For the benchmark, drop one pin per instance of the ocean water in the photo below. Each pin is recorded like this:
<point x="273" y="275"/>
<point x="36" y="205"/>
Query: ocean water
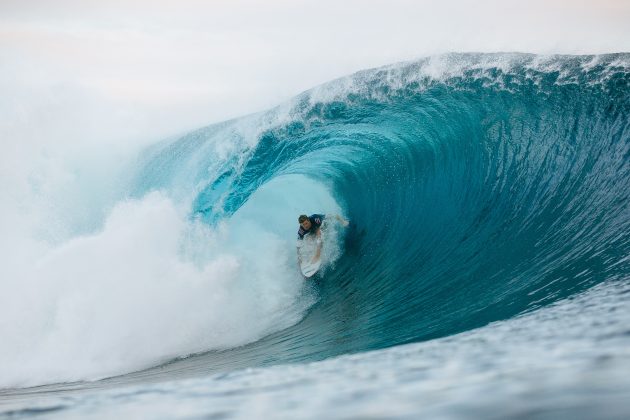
<point x="485" y="272"/>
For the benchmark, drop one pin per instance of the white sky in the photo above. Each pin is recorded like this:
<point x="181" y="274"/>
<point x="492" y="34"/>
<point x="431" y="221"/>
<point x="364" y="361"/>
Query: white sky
<point x="149" y="68"/>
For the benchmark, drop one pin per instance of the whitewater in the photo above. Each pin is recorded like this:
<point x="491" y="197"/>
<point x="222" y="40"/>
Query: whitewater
<point x="485" y="272"/>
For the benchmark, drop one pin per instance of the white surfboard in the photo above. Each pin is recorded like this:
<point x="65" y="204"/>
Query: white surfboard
<point x="310" y="262"/>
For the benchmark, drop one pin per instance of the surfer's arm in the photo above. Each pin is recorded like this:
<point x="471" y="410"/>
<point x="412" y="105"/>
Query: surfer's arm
<point x="341" y="220"/>
<point x="319" y="246"/>
<point x="299" y="245"/>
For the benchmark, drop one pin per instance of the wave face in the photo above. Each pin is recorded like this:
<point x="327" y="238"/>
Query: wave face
<point x="478" y="186"/>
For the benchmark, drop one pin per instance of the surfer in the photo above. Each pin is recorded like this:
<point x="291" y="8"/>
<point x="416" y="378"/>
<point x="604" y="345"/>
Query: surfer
<point x="311" y="225"/>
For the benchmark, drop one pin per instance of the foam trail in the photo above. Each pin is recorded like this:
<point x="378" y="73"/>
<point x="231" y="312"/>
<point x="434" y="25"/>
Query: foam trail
<point x="153" y="285"/>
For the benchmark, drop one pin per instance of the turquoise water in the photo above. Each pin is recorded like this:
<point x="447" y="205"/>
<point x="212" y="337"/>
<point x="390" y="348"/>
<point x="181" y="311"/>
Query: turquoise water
<point x="490" y="231"/>
<point x="473" y="197"/>
<point x="567" y="360"/>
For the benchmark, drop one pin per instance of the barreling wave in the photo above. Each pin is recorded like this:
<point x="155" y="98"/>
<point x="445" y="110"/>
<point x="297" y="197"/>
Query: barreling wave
<point x="479" y="186"/>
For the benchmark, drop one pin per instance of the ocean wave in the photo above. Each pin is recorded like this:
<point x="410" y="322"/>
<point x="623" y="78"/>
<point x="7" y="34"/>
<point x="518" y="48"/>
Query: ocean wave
<point x="478" y="186"/>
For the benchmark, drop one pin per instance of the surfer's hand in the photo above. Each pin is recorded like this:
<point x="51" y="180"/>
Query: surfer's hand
<point x="343" y="222"/>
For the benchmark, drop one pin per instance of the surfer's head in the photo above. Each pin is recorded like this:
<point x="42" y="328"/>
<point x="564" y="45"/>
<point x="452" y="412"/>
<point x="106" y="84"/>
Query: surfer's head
<point x="304" y="221"/>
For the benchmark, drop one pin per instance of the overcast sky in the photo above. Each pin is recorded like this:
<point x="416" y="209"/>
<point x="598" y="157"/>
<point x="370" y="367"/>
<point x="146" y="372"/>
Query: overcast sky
<point x="134" y="68"/>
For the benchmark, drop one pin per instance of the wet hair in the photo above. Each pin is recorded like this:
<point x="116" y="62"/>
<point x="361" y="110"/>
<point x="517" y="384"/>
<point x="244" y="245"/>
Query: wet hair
<point x="302" y="218"/>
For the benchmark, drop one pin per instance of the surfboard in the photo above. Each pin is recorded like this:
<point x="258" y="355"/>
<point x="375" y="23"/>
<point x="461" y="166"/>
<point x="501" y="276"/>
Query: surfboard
<point x="310" y="261"/>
